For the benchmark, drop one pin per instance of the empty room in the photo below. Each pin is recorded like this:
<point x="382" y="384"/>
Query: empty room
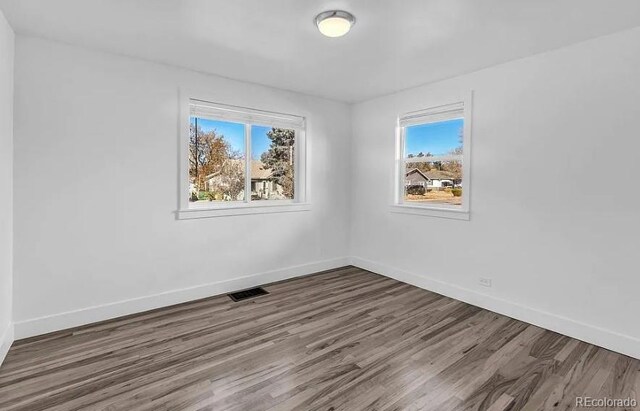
<point x="319" y="205"/>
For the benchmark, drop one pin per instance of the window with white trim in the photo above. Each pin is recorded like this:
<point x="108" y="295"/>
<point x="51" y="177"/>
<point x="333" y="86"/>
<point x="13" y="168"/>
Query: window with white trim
<point x="433" y="160"/>
<point x="241" y="158"/>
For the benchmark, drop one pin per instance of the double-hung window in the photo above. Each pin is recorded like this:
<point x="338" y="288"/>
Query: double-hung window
<point x="432" y="161"/>
<point x="241" y="161"/>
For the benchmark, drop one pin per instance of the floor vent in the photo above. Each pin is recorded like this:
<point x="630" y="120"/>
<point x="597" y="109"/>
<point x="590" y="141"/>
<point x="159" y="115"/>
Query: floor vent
<point x="246" y="294"/>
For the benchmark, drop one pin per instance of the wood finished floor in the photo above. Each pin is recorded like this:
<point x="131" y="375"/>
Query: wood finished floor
<point x="345" y="339"/>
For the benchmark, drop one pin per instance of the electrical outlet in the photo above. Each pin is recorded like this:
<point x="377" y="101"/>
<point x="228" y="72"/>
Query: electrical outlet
<point x="485" y="282"/>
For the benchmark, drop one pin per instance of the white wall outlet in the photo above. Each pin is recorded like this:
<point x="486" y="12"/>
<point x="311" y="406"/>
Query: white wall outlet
<point x="485" y="282"/>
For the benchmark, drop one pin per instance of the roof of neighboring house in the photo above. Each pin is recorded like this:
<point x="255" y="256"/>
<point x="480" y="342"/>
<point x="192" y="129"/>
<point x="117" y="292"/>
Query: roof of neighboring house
<point x="258" y="170"/>
<point x="435" y="174"/>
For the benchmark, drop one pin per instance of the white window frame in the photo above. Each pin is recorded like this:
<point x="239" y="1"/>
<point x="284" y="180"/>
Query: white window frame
<point x="452" y="110"/>
<point x="205" y="108"/>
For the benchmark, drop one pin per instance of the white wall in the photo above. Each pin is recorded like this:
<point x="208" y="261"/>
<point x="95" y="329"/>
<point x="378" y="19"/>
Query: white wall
<point x="96" y="166"/>
<point x="554" y="199"/>
<point x="6" y="183"/>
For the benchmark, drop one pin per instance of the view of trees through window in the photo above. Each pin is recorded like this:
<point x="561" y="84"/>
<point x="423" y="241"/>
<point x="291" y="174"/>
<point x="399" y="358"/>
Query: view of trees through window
<point x="433" y="163"/>
<point x="272" y="163"/>
<point x="216" y="161"/>
<point x="218" y="156"/>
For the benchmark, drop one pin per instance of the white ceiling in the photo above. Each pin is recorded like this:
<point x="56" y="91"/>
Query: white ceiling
<point x="395" y="44"/>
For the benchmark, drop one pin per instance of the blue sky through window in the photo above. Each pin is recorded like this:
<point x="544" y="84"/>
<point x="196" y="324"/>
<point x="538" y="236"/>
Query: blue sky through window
<point x="436" y="138"/>
<point x="234" y="134"/>
<point x="259" y="141"/>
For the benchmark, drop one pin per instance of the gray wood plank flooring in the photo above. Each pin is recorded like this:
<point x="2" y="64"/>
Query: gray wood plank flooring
<point x="344" y="339"/>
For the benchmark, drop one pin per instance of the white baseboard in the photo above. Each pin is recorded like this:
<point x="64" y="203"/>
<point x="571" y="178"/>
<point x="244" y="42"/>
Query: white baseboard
<point x="601" y="337"/>
<point x="6" y="339"/>
<point x="61" y="321"/>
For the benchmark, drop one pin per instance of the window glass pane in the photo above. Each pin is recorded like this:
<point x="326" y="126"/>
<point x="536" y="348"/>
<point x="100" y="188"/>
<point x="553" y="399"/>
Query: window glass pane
<point x="434" y="139"/>
<point x="433" y="182"/>
<point x="216" y="161"/>
<point x="272" y="163"/>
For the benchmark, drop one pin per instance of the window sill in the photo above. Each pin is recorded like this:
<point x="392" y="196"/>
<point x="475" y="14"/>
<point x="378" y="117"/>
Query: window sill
<point x="242" y="209"/>
<point x="431" y="212"/>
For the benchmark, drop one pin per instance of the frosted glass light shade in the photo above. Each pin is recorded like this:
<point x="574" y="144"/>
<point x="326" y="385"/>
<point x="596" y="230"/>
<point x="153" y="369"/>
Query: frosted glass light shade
<point x="335" y="23"/>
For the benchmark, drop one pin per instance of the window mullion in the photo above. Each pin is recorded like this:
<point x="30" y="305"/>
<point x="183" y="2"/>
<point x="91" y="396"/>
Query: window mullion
<point x="247" y="163"/>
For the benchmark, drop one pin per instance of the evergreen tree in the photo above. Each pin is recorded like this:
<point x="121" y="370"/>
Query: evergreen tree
<point x="279" y="158"/>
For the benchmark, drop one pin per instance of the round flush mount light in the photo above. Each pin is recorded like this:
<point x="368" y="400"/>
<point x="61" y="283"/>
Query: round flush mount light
<point x="335" y="23"/>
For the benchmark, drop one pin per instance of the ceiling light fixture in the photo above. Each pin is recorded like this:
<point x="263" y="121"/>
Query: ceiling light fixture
<point x="335" y="23"/>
